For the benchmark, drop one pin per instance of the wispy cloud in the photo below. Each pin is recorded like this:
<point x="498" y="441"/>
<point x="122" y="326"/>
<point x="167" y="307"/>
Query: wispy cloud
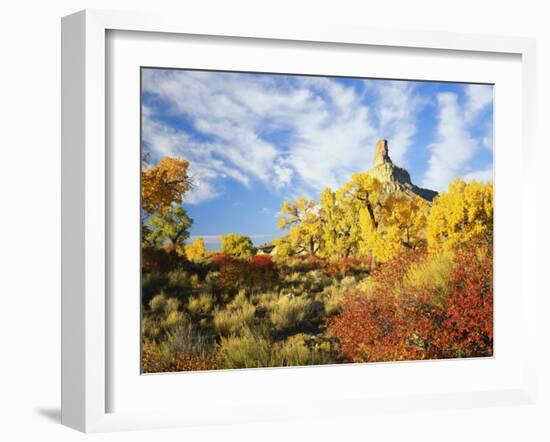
<point x="478" y="98"/>
<point x="454" y="144"/>
<point x="289" y="133"/>
<point x="397" y="107"/>
<point x="480" y="175"/>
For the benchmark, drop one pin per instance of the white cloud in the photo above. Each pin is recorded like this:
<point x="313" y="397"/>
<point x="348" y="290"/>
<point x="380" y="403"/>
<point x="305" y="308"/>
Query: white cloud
<point x="164" y="140"/>
<point x="455" y="145"/>
<point x="396" y="108"/>
<point x="324" y="130"/>
<point x="480" y="175"/>
<point x="478" y="97"/>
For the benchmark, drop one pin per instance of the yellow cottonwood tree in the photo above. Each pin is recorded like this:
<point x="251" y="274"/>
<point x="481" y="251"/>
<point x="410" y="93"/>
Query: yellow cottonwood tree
<point x="301" y="217"/>
<point x="238" y="245"/>
<point x="196" y="250"/>
<point x="340" y="227"/>
<point x="463" y="212"/>
<point x="164" y="184"/>
<point x="401" y="224"/>
<point x="358" y="219"/>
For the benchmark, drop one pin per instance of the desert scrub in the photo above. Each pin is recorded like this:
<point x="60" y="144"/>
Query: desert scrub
<point x="432" y="275"/>
<point x="151" y="285"/>
<point x="159" y="358"/>
<point x="201" y="305"/>
<point x="162" y="317"/>
<point x="247" y="351"/>
<point x="189" y="340"/>
<point x="254" y="349"/>
<point x="154" y="358"/>
<point x="232" y="321"/>
<point x="180" y="283"/>
<point x="316" y="280"/>
<point x="162" y="305"/>
<point x="292" y="352"/>
<point x="288" y="312"/>
<point x="185" y="362"/>
<point x="333" y="295"/>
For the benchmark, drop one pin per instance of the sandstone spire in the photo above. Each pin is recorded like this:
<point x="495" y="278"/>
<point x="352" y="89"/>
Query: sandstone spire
<point x="392" y="177"/>
<point x="381" y="155"/>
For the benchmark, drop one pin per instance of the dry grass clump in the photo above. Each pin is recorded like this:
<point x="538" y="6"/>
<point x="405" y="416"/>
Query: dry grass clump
<point x="250" y="350"/>
<point x="232" y="321"/>
<point x="201" y="305"/>
<point x="432" y="275"/>
<point x="289" y="312"/>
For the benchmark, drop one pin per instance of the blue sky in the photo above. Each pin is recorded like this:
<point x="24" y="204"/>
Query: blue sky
<point x="255" y="140"/>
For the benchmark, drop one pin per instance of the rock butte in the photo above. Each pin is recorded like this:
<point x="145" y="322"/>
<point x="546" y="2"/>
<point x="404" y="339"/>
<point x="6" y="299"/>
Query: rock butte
<point x="395" y="178"/>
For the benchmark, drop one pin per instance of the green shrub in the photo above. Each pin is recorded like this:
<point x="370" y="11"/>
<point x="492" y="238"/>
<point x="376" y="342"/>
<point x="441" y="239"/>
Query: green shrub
<point x="163" y="316"/>
<point x="201" y="305"/>
<point x="293" y="351"/>
<point x="152" y="284"/>
<point x="233" y="321"/>
<point x="316" y="280"/>
<point x="247" y="351"/>
<point x="288" y="312"/>
<point x="179" y="283"/>
<point x="163" y="305"/>
<point x="239" y="301"/>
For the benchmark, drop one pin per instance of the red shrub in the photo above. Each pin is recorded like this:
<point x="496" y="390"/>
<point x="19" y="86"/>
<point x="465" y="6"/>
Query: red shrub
<point x="220" y="259"/>
<point x="349" y="265"/>
<point x="160" y="260"/>
<point x="259" y="271"/>
<point x="390" y="325"/>
<point x="233" y="273"/>
<point x="468" y="326"/>
<point x="262" y="261"/>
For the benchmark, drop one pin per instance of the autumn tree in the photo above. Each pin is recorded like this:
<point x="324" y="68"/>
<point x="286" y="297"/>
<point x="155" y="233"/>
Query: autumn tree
<point x="360" y="219"/>
<point x="462" y="213"/>
<point x="168" y="229"/>
<point x="237" y="245"/>
<point x="339" y="215"/>
<point x="283" y="247"/>
<point x="164" y="184"/>
<point x="399" y="223"/>
<point x="196" y="250"/>
<point x="301" y="218"/>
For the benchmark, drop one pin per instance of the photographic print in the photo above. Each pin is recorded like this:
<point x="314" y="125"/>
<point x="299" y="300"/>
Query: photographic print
<point x="295" y="220"/>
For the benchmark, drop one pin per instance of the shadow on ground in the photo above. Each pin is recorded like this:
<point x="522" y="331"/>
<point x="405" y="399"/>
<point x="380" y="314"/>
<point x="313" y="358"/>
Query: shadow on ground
<point x="51" y="414"/>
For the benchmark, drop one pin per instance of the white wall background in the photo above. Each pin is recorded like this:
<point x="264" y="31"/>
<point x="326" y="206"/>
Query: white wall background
<point x="30" y="215"/>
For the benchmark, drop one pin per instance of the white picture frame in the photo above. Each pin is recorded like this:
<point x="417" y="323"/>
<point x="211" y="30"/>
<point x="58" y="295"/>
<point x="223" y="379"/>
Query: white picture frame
<point x="85" y="197"/>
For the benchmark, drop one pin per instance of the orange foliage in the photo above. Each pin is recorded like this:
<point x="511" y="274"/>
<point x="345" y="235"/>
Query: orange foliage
<point x="164" y="184"/>
<point x="393" y="323"/>
<point x="349" y="265"/>
<point x="185" y="362"/>
<point x="259" y="272"/>
<point x="155" y="361"/>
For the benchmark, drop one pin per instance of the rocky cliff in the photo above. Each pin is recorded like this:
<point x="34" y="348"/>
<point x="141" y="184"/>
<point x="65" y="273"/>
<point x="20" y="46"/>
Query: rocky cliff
<point x="395" y="178"/>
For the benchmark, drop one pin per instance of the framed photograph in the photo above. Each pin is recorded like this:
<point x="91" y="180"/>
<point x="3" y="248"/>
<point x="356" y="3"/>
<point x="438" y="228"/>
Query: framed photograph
<point x="263" y="223"/>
